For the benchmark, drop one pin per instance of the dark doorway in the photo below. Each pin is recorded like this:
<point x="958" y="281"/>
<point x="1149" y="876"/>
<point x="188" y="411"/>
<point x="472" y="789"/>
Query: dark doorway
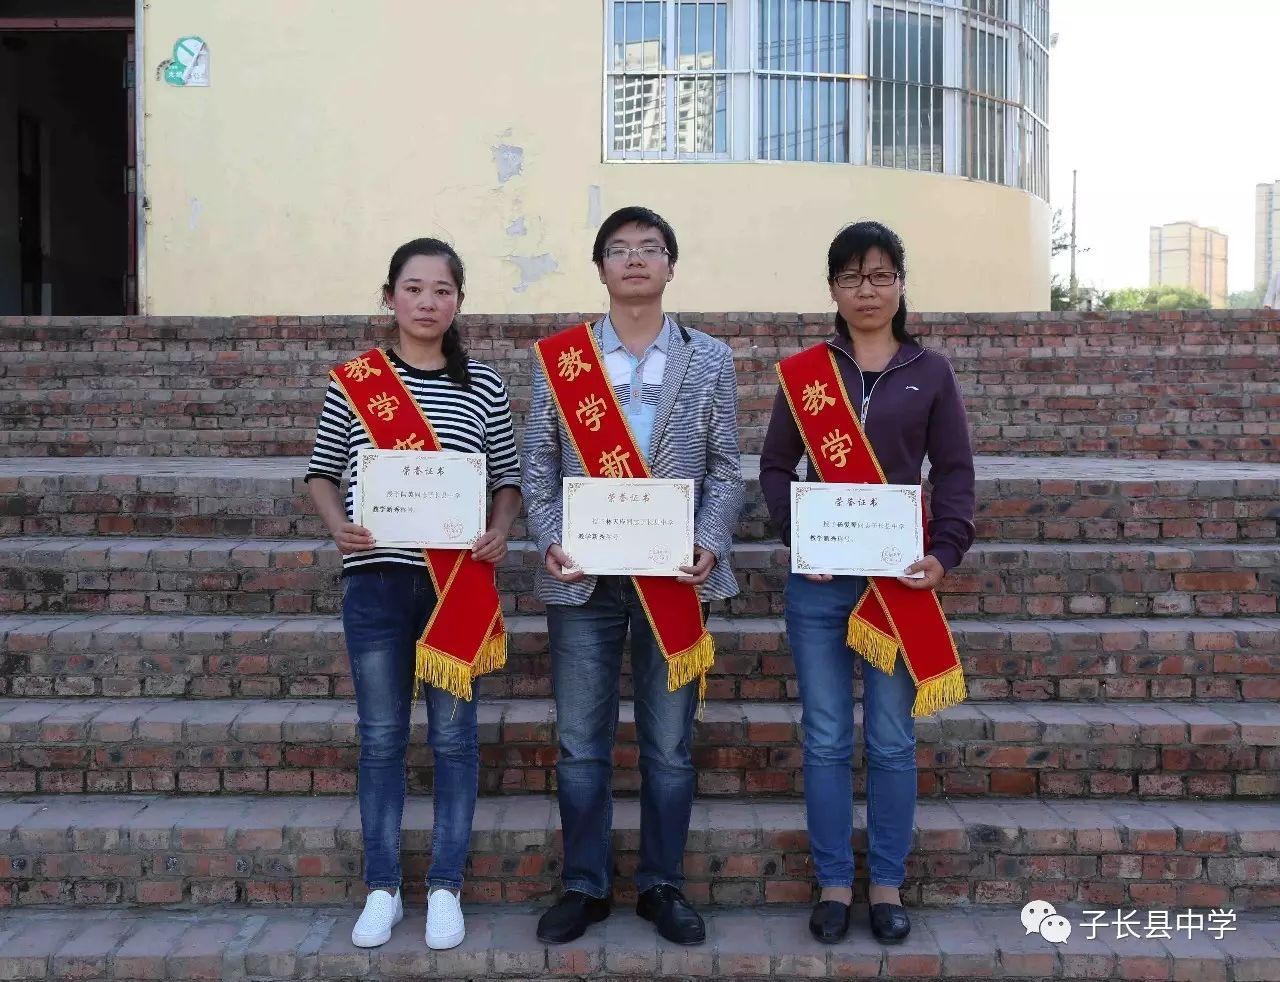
<point x="66" y="167"/>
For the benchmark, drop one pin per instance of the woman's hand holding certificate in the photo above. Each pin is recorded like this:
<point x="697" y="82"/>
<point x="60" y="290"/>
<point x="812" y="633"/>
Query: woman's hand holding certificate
<point x="924" y="574"/>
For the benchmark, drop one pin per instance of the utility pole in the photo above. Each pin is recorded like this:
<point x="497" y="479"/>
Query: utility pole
<point x="1074" y="287"/>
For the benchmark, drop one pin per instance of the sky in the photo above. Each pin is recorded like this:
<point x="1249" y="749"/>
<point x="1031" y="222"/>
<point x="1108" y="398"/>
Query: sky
<point x="1170" y="111"/>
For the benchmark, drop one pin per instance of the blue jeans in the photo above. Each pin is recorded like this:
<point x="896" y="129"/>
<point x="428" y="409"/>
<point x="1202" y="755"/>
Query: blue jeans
<point x="384" y="611"/>
<point x="586" y="662"/>
<point x="817" y="625"/>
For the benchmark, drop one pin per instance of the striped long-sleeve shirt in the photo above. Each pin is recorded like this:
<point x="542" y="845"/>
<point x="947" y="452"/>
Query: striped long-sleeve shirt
<point x="472" y="420"/>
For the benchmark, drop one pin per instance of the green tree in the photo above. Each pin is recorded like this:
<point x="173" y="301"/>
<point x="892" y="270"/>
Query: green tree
<point x="1246" y="299"/>
<point x="1126" y="298"/>
<point x="1155" y="298"/>
<point x="1059" y="294"/>
<point x="1059" y="235"/>
<point x="1179" y="298"/>
<point x="1060" y="242"/>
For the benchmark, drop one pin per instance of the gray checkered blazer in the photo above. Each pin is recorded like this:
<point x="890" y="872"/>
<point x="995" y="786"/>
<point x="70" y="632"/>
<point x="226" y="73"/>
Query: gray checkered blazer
<point x="698" y="442"/>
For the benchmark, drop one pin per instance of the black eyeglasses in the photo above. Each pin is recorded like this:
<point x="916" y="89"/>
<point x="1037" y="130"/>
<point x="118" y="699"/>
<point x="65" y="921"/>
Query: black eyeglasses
<point x="881" y="277"/>
<point x="616" y="254"/>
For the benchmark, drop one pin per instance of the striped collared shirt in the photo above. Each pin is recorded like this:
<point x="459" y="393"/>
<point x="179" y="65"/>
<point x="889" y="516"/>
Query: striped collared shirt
<point x="637" y="382"/>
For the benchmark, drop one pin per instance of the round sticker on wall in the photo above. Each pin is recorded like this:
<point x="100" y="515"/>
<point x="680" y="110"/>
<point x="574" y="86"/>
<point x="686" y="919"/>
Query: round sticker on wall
<point x="190" y="63"/>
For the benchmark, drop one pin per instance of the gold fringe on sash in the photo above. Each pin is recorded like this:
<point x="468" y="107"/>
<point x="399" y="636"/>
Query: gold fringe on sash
<point x="692" y="663"/>
<point x="935" y="695"/>
<point x="879" y="649"/>
<point x="491" y="657"/>
<point x="444" y="672"/>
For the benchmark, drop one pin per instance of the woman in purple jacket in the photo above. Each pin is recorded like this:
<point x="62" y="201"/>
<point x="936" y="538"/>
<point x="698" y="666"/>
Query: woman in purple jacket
<point x="910" y="406"/>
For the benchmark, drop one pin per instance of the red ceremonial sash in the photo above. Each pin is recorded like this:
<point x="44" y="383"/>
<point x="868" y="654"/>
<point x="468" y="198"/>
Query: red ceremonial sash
<point x="465" y="636"/>
<point x="889" y="617"/>
<point x="599" y="432"/>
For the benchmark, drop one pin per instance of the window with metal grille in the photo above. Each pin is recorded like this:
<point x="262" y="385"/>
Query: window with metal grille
<point x="906" y="65"/>
<point x="945" y="86"/>
<point x="803" y="80"/>
<point x="1033" y="98"/>
<point x="986" y="89"/>
<point x="669" y="79"/>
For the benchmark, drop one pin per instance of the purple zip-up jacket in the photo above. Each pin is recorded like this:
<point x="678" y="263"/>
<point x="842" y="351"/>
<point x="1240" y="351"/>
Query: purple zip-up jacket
<point x="914" y="409"/>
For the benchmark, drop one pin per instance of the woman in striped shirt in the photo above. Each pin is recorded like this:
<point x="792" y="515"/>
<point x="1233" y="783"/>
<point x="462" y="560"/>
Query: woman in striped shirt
<point x="388" y="594"/>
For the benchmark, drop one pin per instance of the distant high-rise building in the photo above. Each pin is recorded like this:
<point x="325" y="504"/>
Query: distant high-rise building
<point x="1187" y="254"/>
<point x="1266" y="246"/>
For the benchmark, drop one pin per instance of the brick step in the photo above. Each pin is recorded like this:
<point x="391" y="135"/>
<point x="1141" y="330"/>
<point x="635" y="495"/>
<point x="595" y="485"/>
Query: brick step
<point x="107" y="849"/>
<point x="56" y="377"/>
<point x="269" y="332"/>
<point x="168" y="370"/>
<point x="300" y="576"/>
<point x="221" y="343"/>
<point x="264" y="429"/>
<point x="266" y="656"/>
<point x="1082" y="499"/>
<point x="1033" y="433"/>
<point x="1169" y="388"/>
<point x="745" y="943"/>
<point x="1202" y="750"/>
<point x="154" y="385"/>
<point x="1174" y="418"/>
<point x="85" y="351"/>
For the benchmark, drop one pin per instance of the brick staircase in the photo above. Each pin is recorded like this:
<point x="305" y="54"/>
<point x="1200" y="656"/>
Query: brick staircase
<point x="177" y="728"/>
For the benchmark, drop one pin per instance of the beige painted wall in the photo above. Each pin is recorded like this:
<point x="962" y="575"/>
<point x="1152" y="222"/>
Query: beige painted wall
<point x="331" y="133"/>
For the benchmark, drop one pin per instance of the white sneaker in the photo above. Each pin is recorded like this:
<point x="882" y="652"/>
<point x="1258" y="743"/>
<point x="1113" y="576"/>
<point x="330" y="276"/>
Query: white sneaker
<point x="445" y="927"/>
<point x="382" y="912"/>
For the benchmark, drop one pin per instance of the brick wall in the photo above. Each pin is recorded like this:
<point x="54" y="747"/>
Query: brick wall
<point x="1194" y="384"/>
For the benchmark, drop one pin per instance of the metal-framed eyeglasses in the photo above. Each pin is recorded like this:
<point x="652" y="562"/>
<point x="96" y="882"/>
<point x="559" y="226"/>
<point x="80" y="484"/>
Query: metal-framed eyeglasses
<point x="649" y="254"/>
<point x="881" y="277"/>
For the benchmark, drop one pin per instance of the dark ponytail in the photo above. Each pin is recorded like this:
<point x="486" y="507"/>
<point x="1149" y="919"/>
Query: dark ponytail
<point x="853" y="243"/>
<point x="455" y="357"/>
<point x="455" y="353"/>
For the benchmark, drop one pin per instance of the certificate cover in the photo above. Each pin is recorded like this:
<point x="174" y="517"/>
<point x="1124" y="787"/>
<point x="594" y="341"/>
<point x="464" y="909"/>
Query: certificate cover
<point x="855" y="529"/>
<point x="628" y="526"/>
<point x="422" y="499"/>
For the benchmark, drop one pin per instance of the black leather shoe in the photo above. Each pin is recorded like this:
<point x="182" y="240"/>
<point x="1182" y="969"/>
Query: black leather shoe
<point x="569" y="919"/>
<point x="890" y="923"/>
<point x="672" y="915"/>
<point x="829" y="922"/>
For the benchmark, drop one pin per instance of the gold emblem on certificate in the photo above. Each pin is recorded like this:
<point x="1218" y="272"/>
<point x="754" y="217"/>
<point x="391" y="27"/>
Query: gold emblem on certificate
<point x="855" y="529"/>
<point x="422" y="499"/>
<point x="628" y="526"/>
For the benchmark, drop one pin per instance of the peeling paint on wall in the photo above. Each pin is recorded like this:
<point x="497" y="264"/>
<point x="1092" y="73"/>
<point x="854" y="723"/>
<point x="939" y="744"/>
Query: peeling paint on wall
<point x="593" y="206"/>
<point x="509" y="161"/>
<point x="517" y="227"/>
<point x="532" y="269"/>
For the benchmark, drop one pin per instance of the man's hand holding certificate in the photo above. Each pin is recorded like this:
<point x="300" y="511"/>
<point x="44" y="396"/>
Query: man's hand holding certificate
<point x="856" y="529"/>
<point x="628" y="526"/>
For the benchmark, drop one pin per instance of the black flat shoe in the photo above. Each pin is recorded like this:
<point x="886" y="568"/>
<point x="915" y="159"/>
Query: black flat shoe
<point x="672" y="915"/>
<point x="889" y="923"/>
<point x="569" y="919"/>
<point x="829" y="922"/>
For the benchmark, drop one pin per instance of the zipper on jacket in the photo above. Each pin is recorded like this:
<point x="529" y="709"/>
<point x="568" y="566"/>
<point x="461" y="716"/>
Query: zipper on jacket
<point x="866" y="396"/>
